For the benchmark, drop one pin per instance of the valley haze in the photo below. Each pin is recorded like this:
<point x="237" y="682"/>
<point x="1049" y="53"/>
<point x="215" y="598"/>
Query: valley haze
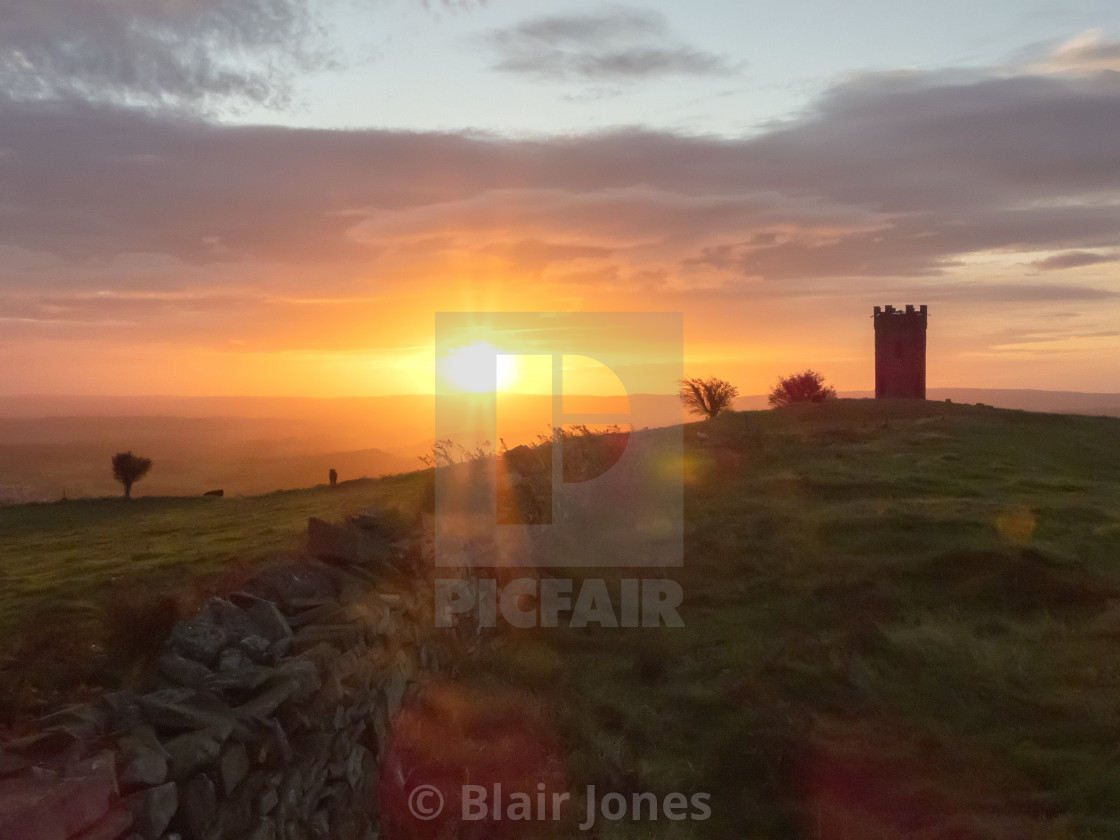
<point x="56" y="446"/>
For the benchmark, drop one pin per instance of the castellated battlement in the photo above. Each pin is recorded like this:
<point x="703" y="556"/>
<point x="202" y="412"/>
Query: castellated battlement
<point x="922" y="311"/>
<point x="900" y="352"/>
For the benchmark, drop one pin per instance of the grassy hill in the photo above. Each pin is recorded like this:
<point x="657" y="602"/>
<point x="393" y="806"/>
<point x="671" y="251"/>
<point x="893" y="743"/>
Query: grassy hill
<point x="85" y="583"/>
<point x="901" y="620"/>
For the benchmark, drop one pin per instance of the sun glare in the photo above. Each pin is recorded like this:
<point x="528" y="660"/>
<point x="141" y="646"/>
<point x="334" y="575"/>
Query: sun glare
<point x="478" y="368"/>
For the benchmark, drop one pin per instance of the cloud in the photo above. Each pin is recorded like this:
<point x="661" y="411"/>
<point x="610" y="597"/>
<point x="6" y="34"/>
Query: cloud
<point x="883" y="178"/>
<point x="1073" y="259"/>
<point x="586" y="30"/>
<point x="536" y="254"/>
<point x="1004" y="293"/>
<point x="1089" y="52"/>
<point x="622" y="45"/>
<point x="192" y="53"/>
<point x="889" y="180"/>
<point x="454" y="5"/>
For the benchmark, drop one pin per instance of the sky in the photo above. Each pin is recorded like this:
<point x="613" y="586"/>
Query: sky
<point x="272" y="197"/>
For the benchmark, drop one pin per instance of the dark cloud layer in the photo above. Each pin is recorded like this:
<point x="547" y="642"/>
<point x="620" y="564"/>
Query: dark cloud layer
<point x="622" y="45"/>
<point x="887" y="177"/>
<point x="1073" y="259"/>
<point x="198" y="53"/>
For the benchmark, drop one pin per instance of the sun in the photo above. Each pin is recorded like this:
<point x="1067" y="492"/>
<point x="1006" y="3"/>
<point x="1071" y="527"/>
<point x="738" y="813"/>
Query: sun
<point x="477" y="368"/>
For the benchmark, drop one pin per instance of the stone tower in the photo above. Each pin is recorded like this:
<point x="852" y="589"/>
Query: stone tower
<point x="900" y="352"/>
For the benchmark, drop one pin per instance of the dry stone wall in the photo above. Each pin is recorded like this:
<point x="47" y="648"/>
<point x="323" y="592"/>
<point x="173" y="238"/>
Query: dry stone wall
<point x="266" y="717"/>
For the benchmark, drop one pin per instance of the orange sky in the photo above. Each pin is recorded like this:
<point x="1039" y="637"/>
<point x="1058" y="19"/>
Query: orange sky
<point x="149" y="249"/>
<point x="352" y="349"/>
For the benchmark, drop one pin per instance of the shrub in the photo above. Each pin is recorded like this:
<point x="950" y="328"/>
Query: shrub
<point x="807" y="386"/>
<point x="709" y="396"/>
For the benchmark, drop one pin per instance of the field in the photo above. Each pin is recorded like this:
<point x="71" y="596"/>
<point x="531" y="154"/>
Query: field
<point x="901" y="621"/>
<point x="78" y="577"/>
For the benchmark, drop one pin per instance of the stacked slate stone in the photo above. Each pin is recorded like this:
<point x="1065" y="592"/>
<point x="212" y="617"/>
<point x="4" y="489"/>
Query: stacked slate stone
<point x="267" y="712"/>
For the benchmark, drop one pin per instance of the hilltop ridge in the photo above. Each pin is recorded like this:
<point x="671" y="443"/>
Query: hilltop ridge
<point x="881" y="591"/>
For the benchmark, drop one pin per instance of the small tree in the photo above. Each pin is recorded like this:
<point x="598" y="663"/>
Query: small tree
<point x="128" y="469"/>
<point x="709" y="396"/>
<point x="801" y="387"/>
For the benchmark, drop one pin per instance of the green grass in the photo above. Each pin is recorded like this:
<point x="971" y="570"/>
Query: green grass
<point x="87" y="585"/>
<point x="902" y="620"/>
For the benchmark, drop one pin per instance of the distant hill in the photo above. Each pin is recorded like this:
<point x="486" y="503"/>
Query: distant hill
<point x="394" y="412"/>
<point x="46" y="458"/>
<point x="1051" y="402"/>
<point x="32" y="472"/>
<point x="56" y="445"/>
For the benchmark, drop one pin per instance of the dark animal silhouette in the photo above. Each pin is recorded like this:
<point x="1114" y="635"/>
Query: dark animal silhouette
<point x="214" y="493"/>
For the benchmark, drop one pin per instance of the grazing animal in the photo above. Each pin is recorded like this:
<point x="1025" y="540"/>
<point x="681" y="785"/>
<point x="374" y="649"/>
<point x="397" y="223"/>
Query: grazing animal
<point x="214" y="493"/>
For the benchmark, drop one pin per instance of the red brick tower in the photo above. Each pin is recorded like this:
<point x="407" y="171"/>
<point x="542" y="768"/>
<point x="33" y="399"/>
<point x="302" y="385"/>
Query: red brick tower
<point x="900" y="352"/>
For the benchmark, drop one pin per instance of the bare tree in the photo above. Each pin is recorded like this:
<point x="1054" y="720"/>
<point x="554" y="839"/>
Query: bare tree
<point x="709" y="396"/>
<point x="807" y="386"/>
<point x="128" y="469"/>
